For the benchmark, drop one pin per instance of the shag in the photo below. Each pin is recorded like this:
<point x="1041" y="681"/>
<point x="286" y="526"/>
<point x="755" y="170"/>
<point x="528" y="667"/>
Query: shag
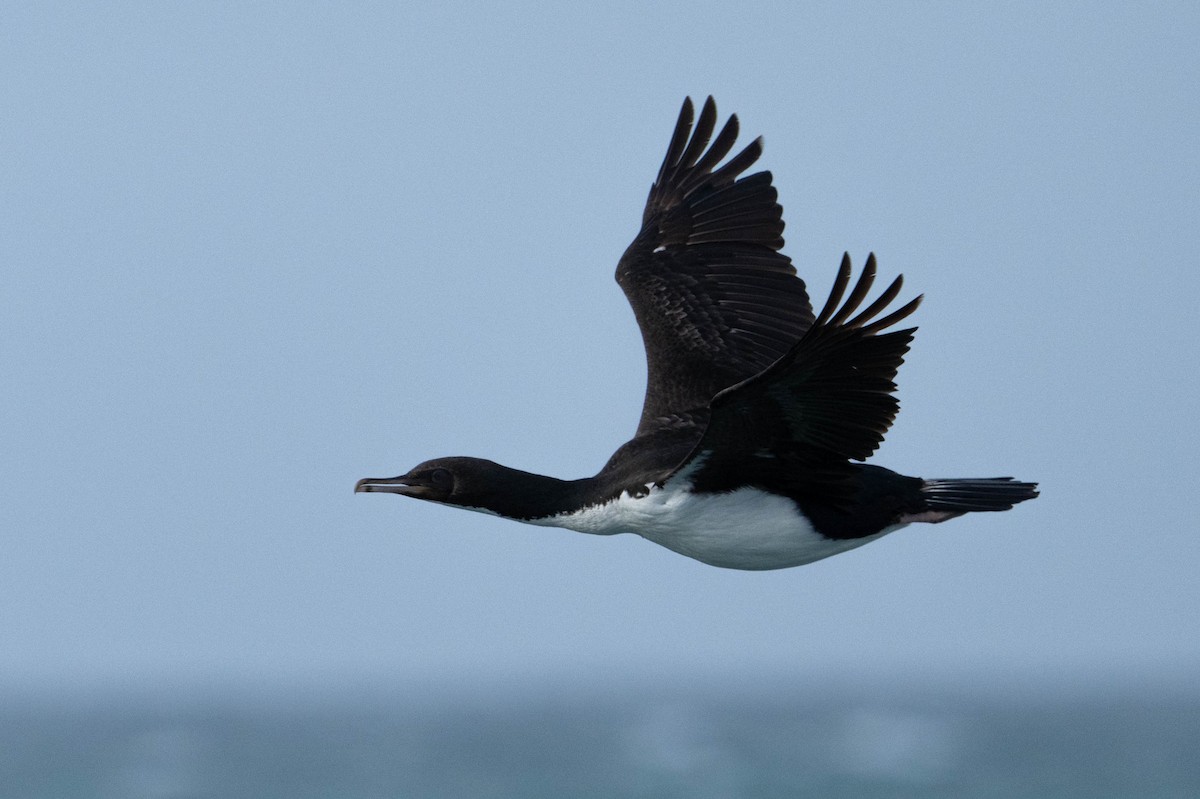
<point x="758" y="413"/>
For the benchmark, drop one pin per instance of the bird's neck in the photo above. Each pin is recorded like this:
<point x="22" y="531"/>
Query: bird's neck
<point x="520" y="495"/>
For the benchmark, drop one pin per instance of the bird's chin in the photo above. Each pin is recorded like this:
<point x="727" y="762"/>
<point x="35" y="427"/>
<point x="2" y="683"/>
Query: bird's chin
<point x="392" y="485"/>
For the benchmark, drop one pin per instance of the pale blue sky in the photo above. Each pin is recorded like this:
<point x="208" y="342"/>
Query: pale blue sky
<point x="253" y="253"/>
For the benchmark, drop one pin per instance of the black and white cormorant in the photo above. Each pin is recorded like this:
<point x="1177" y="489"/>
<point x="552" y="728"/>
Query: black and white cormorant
<point x="758" y="413"/>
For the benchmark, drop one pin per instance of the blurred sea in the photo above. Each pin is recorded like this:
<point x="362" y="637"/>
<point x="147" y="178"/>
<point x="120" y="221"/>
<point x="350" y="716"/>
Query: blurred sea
<point x="867" y="739"/>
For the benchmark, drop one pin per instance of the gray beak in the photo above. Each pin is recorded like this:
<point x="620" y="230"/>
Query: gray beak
<point x="403" y="485"/>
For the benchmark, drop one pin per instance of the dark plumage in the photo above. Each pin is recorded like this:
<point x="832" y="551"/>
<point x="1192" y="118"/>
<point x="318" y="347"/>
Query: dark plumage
<point x="757" y="413"/>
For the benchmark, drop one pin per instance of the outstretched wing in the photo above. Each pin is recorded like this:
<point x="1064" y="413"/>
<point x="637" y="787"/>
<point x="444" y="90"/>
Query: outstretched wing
<point x="828" y="401"/>
<point x="715" y="299"/>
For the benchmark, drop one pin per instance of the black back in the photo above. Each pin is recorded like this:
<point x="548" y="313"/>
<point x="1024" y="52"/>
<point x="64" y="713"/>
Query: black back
<point x="744" y="385"/>
<point x="795" y="427"/>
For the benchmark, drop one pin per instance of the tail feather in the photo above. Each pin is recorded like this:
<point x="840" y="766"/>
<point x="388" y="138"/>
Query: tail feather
<point x="964" y="495"/>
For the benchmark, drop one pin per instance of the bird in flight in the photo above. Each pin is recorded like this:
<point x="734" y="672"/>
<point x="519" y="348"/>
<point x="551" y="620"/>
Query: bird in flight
<point x="758" y="412"/>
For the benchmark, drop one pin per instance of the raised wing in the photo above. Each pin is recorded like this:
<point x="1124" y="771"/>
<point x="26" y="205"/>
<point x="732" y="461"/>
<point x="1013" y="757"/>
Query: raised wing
<point x="828" y="401"/>
<point x="715" y="299"/>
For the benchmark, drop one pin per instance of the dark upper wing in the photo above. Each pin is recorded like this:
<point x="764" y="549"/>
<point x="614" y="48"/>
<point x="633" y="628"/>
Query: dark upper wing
<point x="828" y="401"/>
<point x="713" y="296"/>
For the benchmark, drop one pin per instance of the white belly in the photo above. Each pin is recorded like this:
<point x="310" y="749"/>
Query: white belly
<point x="743" y="529"/>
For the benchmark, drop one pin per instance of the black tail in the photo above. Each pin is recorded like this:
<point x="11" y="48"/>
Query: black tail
<point x="962" y="495"/>
<point x="946" y="499"/>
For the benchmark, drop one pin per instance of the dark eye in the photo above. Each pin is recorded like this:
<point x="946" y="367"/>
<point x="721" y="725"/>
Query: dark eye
<point x="441" y="478"/>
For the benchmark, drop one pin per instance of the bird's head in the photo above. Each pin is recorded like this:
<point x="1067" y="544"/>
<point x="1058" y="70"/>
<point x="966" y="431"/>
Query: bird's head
<point x="482" y="485"/>
<point x="451" y="481"/>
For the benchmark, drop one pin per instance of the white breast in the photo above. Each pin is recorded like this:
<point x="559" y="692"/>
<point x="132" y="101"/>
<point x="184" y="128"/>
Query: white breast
<point x="743" y="529"/>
